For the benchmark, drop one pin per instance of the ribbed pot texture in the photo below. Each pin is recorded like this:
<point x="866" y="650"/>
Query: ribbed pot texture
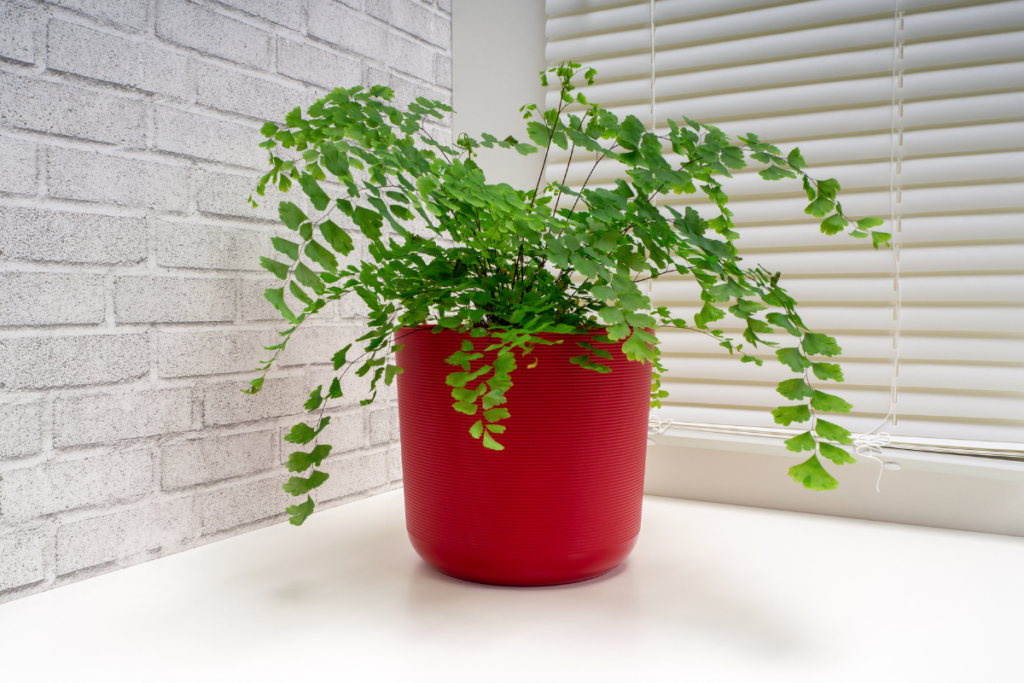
<point x="562" y="502"/>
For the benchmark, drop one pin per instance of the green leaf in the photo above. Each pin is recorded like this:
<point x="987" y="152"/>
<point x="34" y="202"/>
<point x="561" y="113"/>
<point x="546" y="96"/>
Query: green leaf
<point x="464" y="407"/>
<point x="286" y="247"/>
<point x="784" y="322"/>
<point x="795" y="159"/>
<point x="390" y="373"/>
<point x="829" y="403"/>
<point x="291" y="215"/>
<point x="832" y="432"/>
<point x="637" y="349"/>
<point x="496" y="414"/>
<point x="836" y="454"/>
<point x="489" y="442"/>
<point x="812" y="475"/>
<point x="869" y="222"/>
<point x="312" y="188"/>
<point x="793" y="358"/>
<point x="335" y="390"/>
<point x="308" y="278"/>
<point x="297" y="292"/>
<point x="369" y="222"/>
<point x="801" y="442"/>
<point x="477" y="429"/>
<point x="820" y="207"/>
<point x="324" y="258"/>
<point x="611" y="315"/>
<point x="254" y="386"/>
<point x="828" y="187"/>
<point x="834" y="224"/>
<point x="276" y="297"/>
<point x="618" y="331"/>
<point x="339" y="358"/>
<point x="826" y="371"/>
<point x="632" y="131"/>
<point x="315" y="399"/>
<point x="302" y="433"/>
<point x="299" y="461"/>
<point x="300" y="512"/>
<point x="339" y="240"/>
<point x="795" y="389"/>
<point x="879" y="239"/>
<point x="786" y="415"/>
<point x="277" y="268"/>
<point x="820" y="345"/>
<point x="298" y="486"/>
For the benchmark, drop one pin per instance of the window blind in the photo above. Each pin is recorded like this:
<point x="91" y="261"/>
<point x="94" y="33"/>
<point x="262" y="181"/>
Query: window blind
<point x="918" y="110"/>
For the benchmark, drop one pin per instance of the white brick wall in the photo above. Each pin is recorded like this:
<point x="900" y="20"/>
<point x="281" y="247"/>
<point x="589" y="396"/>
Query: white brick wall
<point x="131" y="298"/>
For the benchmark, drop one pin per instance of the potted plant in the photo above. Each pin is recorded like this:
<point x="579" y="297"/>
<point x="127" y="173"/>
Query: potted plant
<point x="514" y="321"/>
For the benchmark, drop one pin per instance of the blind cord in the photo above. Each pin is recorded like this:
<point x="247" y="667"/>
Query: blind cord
<point x="654" y="118"/>
<point x="870" y="444"/>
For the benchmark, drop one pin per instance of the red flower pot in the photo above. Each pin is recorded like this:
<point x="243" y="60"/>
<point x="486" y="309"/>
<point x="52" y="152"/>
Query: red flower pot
<point x="562" y="502"/>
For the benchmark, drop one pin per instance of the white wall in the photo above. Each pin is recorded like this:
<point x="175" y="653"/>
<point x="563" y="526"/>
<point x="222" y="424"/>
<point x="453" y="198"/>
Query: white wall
<point x="131" y="296"/>
<point x="497" y="52"/>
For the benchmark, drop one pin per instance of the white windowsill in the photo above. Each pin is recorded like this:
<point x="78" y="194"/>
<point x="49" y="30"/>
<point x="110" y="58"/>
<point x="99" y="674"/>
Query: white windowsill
<point x="988" y="468"/>
<point x="712" y="593"/>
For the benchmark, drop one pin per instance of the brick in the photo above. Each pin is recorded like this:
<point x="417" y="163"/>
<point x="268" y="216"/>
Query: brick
<point x="202" y="137"/>
<point x="125" y="533"/>
<point x="144" y="299"/>
<point x="47" y="362"/>
<point x="288" y="14"/>
<point x="380" y="426"/>
<point x="226" y="194"/>
<point x="79" y="50"/>
<point x="320" y="67"/>
<point x="415" y="19"/>
<point x="65" y="237"/>
<point x="318" y="343"/>
<point x="21" y="559"/>
<point x="210" y="247"/>
<point x="346" y="431"/>
<point x="92" y="177"/>
<point x="18" y="172"/>
<point x="128" y="13"/>
<point x="254" y="306"/>
<point x="202" y="461"/>
<point x="225" y="404"/>
<point x="238" y="93"/>
<point x="443" y="71"/>
<point x="410" y="57"/>
<point x="341" y="26"/>
<point x="185" y="353"/>
<point x="109" y="417"/>
<point x="189" y="25"/>
<point x="445" y="5"/>
<point x="20" y="429"/>
<point x="353" y="388"/>
<point x="406" y="91"/>
<point x="62" y="109"/>
<point x="234" y="506"/>
<point x="395" y="463"/>
<point x="51" y="299"/>
<point x="66" y="485"/>
<point x="351" y="306"/>
<point x="352" y="474"/>
<point x="18" y="25"/>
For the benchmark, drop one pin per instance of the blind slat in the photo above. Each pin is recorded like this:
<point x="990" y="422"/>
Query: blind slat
<point x="939" y="119"/>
